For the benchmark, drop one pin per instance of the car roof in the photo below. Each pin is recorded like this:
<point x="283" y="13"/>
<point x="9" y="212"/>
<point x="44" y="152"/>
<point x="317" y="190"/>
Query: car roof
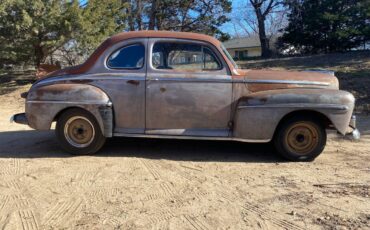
<point x="139" y="34"/>
<point x="162" y="34"/>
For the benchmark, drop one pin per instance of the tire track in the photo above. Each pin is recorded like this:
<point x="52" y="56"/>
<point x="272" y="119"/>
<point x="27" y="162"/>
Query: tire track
<point x="4" y="220"/>
<point x="196" y="223"/>
<point x="4" y="200"/>
<point x="167" y="189"/>
<point x="85" y="178"/>
<point x="13" y="184"/>
<point x="63" y="212"/>
<point x="153" y="170"/>
<point x="162" y="216"/>
<point x="112" y="222"/>
<point x="250" y="207"/>
<point x="20" y="201"/>
<point x="176" y="170"/>
<point x="264" y="214"/>
<point x="28" y="220"/>
<point x="103" y="194"/>
<point x="11" y="167"/>
<point x="253" y="221"/>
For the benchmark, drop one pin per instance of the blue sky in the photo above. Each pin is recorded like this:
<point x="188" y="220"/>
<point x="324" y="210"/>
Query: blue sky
<point x="237" y="6"/>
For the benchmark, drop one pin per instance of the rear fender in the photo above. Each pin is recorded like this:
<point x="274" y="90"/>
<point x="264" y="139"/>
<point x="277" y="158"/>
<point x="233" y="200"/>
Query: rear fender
<point x="258" y="115"/>
<point x="45" y="103"/>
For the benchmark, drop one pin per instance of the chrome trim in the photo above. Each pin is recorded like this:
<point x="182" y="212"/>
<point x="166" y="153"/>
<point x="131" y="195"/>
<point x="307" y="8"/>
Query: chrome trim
<point x="189" y="132"/>
<point x="138" y="76"/>
<point x="321" y="71"/>
<point x="19" y="118"/>
<point x="227" y="80"/>
<point x="95" y="77"/>
<point x="352" y="122"/>
<point x="300" y="105"/>
<point x="286" y="82"/>
<point x="190" y="137"/>
<point x="72" y="102"/>
<point x="356" y="135"/>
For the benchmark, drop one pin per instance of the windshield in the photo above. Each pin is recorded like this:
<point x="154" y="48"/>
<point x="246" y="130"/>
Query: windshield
<point x="229" y="56"/>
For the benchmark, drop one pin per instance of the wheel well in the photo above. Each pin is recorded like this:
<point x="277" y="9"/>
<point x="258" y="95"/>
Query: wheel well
<point x="65" y="109"/>
<point x="321" y="118"/>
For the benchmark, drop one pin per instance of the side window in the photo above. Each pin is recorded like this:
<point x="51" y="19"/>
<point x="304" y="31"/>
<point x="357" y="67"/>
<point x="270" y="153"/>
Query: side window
<point x="183" y="57"/>
<point x="210" y="60"/>
<point x="128" y="57"/>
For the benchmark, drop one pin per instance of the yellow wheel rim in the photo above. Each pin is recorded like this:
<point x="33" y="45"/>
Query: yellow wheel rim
<point x="79" y="131"/>
<point x="302" y="138"/>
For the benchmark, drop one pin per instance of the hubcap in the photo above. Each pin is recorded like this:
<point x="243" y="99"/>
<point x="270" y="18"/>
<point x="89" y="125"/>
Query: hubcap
<point x="302" y="138"/>
<point x="79" y="131"/>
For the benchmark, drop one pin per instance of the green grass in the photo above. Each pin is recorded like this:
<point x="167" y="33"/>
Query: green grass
<point x="352" y="70"/>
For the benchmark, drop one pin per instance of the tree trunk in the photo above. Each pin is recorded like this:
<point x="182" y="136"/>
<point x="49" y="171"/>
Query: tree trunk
<point x="138" y="14"/>
<point x="153" y="13"/>
<point x="265" y="44"/>
<point x="130" y="13"/>
<point x="39" y="55"/>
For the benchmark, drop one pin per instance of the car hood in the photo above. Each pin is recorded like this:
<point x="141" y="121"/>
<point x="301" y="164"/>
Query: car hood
<point x="288" y="79"/>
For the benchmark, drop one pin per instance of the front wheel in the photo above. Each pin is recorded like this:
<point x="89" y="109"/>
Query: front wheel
<point x="300" y="139"/>
<point x="79" y="133"/>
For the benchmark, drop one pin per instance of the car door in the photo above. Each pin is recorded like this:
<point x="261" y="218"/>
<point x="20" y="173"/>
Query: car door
<point x="188" y="89"/>
<point x="121" y="75"/>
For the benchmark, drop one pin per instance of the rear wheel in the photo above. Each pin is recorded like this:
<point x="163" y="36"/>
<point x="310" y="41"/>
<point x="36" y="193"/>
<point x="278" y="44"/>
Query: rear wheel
<point x="300" y="139"/>
<point x="79" y="133"/>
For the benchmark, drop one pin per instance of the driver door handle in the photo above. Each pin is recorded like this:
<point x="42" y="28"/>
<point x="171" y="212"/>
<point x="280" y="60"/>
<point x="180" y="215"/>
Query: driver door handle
<point x="133" y="82"/>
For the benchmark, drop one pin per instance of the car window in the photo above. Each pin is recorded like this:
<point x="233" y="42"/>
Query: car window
<point x="227" y="54"/>
<point x="129" y="57"/>
<point x="210" y="60"/>
<point x="183" y="57"/>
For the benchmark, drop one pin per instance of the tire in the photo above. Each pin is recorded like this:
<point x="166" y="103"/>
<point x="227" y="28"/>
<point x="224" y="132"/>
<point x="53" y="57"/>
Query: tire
<point x="300" y="139"/>
<point x="79" y="133"/>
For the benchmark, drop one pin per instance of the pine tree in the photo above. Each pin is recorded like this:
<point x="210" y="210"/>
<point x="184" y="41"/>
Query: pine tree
<point x="323" y="26"/>
<point x="30" y="30"/>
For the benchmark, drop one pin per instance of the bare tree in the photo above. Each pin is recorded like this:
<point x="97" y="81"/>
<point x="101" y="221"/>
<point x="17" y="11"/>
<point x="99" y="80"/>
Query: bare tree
<point x="262" y="9"/>
<point x="152" y="16"/>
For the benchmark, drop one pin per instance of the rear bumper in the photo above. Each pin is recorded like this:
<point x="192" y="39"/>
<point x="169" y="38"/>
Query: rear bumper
<point x="19" y="118"/>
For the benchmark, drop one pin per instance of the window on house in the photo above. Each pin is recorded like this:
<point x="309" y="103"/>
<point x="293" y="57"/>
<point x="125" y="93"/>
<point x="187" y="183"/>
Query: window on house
<point x="241" y="54"/>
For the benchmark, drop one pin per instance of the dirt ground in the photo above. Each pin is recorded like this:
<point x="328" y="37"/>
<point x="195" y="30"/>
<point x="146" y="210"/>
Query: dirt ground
<point x="173" y="184"/>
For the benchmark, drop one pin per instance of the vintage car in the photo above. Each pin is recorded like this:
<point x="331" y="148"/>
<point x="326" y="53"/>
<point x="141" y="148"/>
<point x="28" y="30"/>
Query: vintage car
<point x="161" y="84"/>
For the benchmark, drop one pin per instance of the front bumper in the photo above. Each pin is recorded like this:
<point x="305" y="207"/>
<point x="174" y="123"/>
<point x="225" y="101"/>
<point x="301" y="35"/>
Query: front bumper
<point x="354" y="134"/>
<point x="19" y="118"/>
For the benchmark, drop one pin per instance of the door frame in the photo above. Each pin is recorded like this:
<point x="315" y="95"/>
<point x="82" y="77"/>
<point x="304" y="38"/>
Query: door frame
<point x="222" y="76"/>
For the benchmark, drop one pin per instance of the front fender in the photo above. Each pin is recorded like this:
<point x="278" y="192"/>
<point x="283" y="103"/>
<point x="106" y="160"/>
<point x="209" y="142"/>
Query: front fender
<point x="258" y="114"/>
<point x="45" y="102"/>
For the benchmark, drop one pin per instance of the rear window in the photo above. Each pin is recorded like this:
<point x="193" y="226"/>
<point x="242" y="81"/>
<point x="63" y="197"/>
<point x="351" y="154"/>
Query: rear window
<point x="128" y="57"/>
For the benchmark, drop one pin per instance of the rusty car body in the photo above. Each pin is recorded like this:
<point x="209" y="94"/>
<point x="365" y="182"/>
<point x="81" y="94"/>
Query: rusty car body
<point x="186" y="85"/>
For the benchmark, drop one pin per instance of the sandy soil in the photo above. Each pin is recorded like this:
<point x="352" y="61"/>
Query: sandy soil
<point x="172" y="184"/>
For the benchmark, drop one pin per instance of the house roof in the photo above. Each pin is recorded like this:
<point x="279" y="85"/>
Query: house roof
<point x="242" y="42"/>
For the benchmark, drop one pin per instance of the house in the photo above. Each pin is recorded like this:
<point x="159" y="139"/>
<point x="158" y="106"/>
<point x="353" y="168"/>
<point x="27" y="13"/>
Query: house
<point x="243" y="48"/>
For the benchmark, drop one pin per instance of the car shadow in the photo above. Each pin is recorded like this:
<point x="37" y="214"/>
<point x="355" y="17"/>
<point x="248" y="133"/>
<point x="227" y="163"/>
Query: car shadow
<point x="43" y="144"/>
